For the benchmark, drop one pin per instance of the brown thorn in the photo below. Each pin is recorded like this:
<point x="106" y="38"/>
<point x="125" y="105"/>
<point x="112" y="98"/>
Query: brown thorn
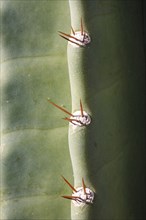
<point x="68" y="36"/>
<point x="69" y="184"/>
<point x="72" y="120"/>
<point x="81" y="107"/>
<point x="64" y="37"/>
<point x="84" y="187"/>
<point x="72" y="30"/>
<point x="70" y="40"/>
<point x="62" y="109"/>
<point x="69" y="119"/>
<point x="82" y="29"/>
<point x="71" y="197"/>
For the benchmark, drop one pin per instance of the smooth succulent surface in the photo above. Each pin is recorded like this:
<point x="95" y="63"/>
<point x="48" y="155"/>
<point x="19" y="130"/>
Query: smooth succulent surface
<point x="34" y="145"/>
<point x="108" y="76"/>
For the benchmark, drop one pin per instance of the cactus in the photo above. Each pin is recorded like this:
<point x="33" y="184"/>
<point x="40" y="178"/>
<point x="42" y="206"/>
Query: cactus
<point x="107" y="84"/>
<point x="107" y="81"/>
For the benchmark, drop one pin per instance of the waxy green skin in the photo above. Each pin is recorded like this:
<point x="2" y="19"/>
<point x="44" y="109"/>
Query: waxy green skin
<point x="108" y="76"/>
<point x="34" y="144"/>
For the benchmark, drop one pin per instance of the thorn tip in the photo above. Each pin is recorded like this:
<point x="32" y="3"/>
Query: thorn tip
<point x="81" y="108"/>
<point x="72" y="30"/>
<point x="69" y="184"/>
<point x="84" y="186"/>
<point x="59" y="107"/>
<point x="82" y="29"/>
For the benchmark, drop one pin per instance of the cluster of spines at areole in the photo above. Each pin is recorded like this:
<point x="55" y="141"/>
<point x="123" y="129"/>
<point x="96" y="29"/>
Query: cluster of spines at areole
<point x="80" y="195"/>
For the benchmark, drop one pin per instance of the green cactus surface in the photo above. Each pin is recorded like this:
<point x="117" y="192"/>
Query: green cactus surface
<point x="34" y="144"/>
<point x="108" y="76"/>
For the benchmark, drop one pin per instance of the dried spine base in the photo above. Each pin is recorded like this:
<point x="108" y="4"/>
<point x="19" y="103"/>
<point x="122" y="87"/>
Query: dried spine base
<point x="80" y="119"/>
<point x="83" y="196"/>
<point x="77" y="38"/>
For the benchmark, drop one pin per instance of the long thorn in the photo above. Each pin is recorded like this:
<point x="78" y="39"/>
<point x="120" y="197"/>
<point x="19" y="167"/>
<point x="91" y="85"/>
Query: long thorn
<point x="82" y="29"/>
<point x="71" y="197"/>
<point x="69" y="119"/>
<point x="69" y="40"/>
<point x="69" y="185"/>
<point x="84" y="187"/>
<point x="81" y="107"/>
<point x="72" y="120"/>
<point x="72" y="30"/>
<point x="68" y="36"/>
<point x="62" y="109"/>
